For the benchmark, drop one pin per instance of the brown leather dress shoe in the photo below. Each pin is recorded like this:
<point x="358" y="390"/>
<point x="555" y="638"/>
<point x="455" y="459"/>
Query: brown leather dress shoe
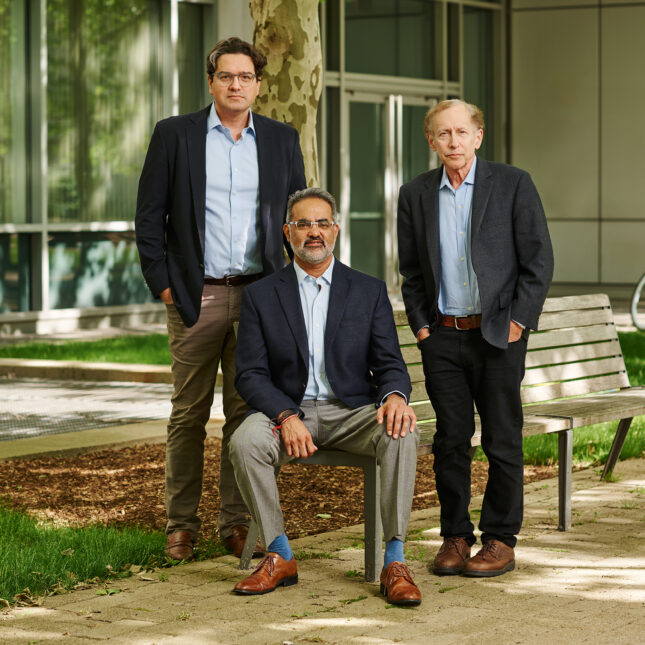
<point x="235" y="542"/>
<point x="493" y="559"/>
<point x="179" y="545"/>
<point x="451" y="557"/>
<point x="397" y="585"/>
<point x="272" y="571"/>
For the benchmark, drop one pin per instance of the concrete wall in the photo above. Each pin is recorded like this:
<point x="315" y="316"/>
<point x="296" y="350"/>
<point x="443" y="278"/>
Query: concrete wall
<point x="577" y="110"/>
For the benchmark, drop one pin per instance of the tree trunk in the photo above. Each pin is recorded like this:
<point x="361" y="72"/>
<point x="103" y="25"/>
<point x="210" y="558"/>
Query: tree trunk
<point x="287" y="32"/>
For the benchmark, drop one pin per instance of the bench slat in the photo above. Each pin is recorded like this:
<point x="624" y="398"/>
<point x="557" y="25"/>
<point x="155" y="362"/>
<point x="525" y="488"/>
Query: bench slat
<point x="571" y="371"/>
<point x="573" y="388"/>
<point x="561" y="337"/>
<point x="406" y="337"/>
<point x="575" y="318"/>
<point x="557" y="355"/>
<point x="568" y="303"/>
<point x="411" y="354"/>
<point x="596" y="408"/>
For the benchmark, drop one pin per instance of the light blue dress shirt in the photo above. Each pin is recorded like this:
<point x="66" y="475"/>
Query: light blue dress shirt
<point x="232" y="188"/>
<point x="314" y="298"/>
<point x="458" y="291"/>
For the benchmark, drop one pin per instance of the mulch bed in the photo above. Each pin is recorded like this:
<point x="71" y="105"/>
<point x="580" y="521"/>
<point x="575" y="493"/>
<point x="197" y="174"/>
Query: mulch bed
<point x="125" y="486"/>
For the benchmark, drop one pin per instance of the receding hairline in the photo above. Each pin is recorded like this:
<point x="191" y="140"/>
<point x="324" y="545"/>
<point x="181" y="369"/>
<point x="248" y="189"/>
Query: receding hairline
<point x="475" y="113"/>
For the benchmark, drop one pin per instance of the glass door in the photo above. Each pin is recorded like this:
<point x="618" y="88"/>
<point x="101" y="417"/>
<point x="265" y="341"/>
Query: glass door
<point x="386" y="148"/>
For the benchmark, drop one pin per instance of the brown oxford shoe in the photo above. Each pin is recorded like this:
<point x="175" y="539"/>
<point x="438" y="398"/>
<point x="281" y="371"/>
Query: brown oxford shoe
<point x="180" y="545"/>
<point x="493" y="559"/>
<point x="272" y="571"/>
<point x="451" y="557"/>
<point x="235" y="542"/>
<point x="397" y="585"/>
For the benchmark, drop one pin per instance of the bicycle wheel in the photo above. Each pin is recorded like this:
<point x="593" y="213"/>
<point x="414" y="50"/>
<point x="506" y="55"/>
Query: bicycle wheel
<point x="638" y="305"/>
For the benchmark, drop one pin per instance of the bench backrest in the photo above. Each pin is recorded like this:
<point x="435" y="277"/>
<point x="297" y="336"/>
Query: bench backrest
<point x="575" y="352"/>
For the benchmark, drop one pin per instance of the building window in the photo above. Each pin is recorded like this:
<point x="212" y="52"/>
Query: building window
<point x="101" y="93"/>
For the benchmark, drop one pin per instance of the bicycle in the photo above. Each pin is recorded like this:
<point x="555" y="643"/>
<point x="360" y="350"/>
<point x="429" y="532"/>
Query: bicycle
<point x="638" y="304"/>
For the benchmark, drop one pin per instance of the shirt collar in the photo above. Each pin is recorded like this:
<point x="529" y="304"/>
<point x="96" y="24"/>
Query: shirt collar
<point x="213" y="120"/>
<point x="470" y="177"/>
<point x="301" y="274"/>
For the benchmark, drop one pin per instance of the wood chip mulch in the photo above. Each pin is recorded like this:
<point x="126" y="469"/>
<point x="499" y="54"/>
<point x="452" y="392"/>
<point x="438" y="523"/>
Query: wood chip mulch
<point x="125" y="486"/>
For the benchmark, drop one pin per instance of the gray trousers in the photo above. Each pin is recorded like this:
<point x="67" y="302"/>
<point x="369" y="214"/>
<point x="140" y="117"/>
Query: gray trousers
<point x="196" y="353"/>
<point x="255" y="452"/>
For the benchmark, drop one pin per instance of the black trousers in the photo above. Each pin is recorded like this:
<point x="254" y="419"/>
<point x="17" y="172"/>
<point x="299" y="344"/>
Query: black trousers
<point x="463" y="370"/>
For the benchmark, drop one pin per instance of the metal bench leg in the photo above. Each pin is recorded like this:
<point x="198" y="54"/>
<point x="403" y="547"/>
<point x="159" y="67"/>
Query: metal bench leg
<point x="249" y="545"/>
<point x="565" y="459"/>
<point x="373" y="525"/>
<point x="616" y="447"/>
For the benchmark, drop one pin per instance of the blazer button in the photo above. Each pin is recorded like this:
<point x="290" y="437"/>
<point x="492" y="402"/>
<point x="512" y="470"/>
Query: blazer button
<point x="201" y="266"/>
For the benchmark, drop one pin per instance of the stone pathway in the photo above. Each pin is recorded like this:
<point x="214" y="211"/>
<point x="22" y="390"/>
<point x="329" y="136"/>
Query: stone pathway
<point x="583" y="586"/>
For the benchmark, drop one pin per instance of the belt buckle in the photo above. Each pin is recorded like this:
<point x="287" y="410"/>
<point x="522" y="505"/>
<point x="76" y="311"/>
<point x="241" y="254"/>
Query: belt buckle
<point x="457" y="326"/>
<point x="228" y="282"/>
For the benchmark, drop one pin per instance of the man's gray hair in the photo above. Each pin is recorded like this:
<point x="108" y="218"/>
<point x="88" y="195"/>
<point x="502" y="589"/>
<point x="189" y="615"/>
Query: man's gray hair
<point x="314" y="191"/>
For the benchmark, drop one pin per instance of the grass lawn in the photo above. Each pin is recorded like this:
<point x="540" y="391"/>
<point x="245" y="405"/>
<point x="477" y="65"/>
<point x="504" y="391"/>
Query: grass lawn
<point x="151" y="349"/>
<point x="37" y="557"/>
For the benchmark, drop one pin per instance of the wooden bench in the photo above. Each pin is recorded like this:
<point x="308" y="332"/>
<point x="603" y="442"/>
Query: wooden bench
<point x="575" y="377"/>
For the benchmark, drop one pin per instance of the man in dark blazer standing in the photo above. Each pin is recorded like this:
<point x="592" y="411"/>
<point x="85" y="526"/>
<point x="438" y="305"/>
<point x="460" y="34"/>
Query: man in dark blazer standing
<point x="476" y="258"/>
<point x="210" y="209"/>
<point x="318" y="361"/>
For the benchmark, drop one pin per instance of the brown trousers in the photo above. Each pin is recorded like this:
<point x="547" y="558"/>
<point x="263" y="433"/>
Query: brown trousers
<point x="196" y="354"/>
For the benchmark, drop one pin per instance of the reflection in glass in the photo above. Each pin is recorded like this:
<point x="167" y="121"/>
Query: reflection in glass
<point x="479" y="62"/>
<point x="100" y="105"/>
<point x="191" y="57"/>
<point x="14" y="273"/>
<point x="7" y="40"/>
<point x="94" y="269"/>
<point x="367" y="178"/>
<point x="393" y="37"/>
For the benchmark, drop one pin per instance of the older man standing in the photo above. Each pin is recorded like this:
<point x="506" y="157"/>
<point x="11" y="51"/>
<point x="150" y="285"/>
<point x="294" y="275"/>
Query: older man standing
<point x="476" y="257"/>
<point x="319" y="362"/>
<point x="212" y="197"/>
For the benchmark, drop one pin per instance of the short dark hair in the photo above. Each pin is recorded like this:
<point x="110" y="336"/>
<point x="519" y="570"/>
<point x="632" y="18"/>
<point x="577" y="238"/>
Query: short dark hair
<point x="235" y="45"/>
<point x="313" y="191"/>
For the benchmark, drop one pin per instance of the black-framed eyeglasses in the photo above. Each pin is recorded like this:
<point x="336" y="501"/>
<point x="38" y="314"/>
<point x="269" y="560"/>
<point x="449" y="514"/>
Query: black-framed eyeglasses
<point x="226" y="78"/>
<point x="306" y="224"/>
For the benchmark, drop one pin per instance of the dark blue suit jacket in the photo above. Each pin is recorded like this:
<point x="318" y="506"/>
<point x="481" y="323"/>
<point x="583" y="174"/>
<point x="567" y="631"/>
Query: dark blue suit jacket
<point x="171" y="212"/>
<point x="362" y="356"/>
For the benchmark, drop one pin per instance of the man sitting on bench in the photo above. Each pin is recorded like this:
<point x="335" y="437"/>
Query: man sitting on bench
<point x="319" y="364"/>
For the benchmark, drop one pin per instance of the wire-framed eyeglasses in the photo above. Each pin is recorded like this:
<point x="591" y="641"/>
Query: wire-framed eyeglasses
<point x="306" y="224"/>
<point x="226" y="78"/>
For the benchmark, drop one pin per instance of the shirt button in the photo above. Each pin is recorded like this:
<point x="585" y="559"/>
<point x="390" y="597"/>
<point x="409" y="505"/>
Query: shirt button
<point x="469" y="308"/>
<point x="462" y="259"/>
<point x="461" y="232"/>
<point x="464" y="284"/>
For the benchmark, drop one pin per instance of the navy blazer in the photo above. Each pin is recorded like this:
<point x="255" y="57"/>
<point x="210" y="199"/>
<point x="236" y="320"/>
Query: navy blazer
<point x="171" y="205"/>
<point x="363" y="361"/>
<point x="510" y="247"/>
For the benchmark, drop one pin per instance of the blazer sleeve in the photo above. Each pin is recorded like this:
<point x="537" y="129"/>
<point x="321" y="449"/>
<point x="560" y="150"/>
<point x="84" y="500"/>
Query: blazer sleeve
<point x="153" y="204"/>
<point x="534" y="254"/>
<point x="385" y="360"/>
<point x="413" y="288"/>
<point x="252" y="372"/>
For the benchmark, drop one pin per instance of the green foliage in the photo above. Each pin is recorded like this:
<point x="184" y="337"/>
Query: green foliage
<point x="37" y="557"/>
<point x="633" y="346"/>
<point x="151" y="349"/>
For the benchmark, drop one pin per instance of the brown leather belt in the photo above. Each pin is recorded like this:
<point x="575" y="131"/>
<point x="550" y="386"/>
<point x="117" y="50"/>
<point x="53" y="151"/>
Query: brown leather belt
<point x="461" y="322"/>
<point x="233" y="280"/>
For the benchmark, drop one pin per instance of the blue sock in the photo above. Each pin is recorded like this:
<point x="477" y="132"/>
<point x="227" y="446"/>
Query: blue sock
<point x="393" y="552"/>
<point x="281" y="546"/>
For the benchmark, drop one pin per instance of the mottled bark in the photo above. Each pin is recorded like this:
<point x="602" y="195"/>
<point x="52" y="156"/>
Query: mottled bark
<point x="288" y="34"/>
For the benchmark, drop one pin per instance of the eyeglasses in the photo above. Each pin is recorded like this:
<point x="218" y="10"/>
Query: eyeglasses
<point x="245" y="78"/>
<point x="305" y="224"/>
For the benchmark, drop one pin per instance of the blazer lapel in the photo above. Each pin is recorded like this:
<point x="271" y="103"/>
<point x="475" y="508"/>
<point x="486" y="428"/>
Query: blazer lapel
<point x="289" y="298"/>
<point x="340" y="285"/>
<point x="196" y="144"/>
<point x="266" y="147"/>
<point x="430" y="221"/>
<point x="481" y="193"/>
